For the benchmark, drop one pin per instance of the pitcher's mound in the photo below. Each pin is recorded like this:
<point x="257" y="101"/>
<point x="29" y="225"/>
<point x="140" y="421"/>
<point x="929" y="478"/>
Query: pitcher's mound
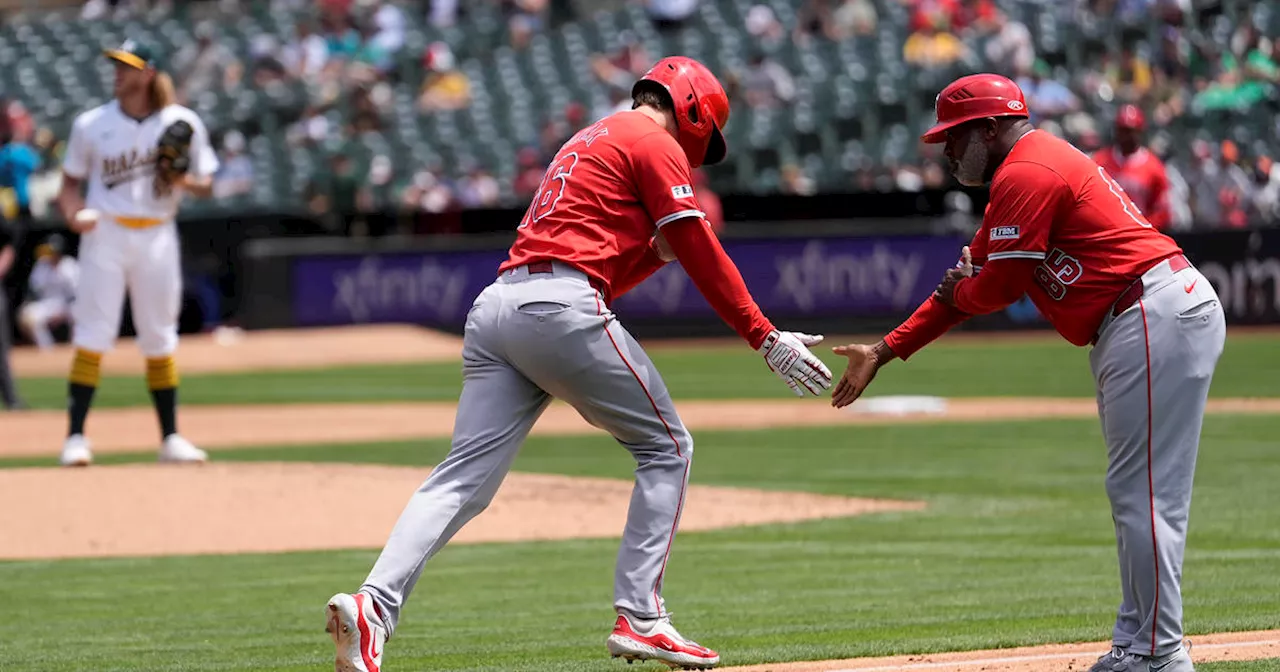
<point x="145" y="510"/>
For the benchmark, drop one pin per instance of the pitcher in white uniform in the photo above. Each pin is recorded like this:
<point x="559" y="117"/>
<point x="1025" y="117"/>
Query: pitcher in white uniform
<point x="129" y="239"/>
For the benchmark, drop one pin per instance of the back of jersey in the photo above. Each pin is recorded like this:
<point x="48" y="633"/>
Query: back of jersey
<point x="608" y="189"/>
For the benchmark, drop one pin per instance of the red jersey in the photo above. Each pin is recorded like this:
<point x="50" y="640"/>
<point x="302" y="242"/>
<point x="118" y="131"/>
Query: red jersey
<point x="611" y="187"/>
<point x="1058" y="229"/>
<point x="1143" y="178"/>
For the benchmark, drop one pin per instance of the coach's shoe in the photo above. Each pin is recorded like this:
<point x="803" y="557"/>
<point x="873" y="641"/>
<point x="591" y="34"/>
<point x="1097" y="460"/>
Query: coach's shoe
<point x="177" y="449"/>
<point x="1119" y="660"/>
<point x="635" y="639"/>
<point x="357" y="631"/>
<point x="75" y="452"/>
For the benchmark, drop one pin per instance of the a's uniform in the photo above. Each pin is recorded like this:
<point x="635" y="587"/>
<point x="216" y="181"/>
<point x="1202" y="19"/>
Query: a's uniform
<point x="137" y="171"/>
<point x="1061" y="230"/>
<point x="52" y="285"/>
<point x="135" y="245"/>
<point x="1143" y="177"/>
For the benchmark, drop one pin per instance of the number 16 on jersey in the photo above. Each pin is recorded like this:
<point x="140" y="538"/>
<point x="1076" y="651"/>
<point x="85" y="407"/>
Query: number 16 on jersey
<point x="551" y="189"/>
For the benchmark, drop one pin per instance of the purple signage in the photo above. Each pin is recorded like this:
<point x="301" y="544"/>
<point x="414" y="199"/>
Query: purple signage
<point x="789" y="277"/>
<point x="811" y="277"/>
<point x="431" y="288"/>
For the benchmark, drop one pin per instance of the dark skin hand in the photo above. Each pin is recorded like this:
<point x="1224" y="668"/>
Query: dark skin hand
<point x="865" y="360"/>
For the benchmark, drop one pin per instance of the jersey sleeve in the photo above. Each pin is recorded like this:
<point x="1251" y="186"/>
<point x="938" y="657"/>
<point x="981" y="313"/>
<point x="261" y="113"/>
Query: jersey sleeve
<point x="1026" y="199"/>
<point x="78" y="155"/>
<point x="204" y="161"/>
<point x="663" y="179"/>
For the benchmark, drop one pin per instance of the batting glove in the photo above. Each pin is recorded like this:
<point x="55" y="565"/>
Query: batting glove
<point x="787" y="354"/>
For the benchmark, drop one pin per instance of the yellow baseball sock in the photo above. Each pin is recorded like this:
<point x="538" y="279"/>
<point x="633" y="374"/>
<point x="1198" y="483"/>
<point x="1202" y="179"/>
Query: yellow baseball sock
<point x="162" y="373"/>
<point x="86" y="370"/>
<point x="162" y="380"/>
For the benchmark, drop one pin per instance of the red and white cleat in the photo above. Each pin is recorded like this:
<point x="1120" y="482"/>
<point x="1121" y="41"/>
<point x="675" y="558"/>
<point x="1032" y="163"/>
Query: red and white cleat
<point x="634" y="639"/>
<point x="357" y="632"/>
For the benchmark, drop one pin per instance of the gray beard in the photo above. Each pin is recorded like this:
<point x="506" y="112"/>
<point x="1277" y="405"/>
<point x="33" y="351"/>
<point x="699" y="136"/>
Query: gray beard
<point x="973" y="165"/>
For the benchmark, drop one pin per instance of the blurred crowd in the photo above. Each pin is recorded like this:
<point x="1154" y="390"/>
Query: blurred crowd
<point x="344" y="52"/>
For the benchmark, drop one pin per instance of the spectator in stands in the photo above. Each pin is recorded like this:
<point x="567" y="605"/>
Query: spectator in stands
<point x="18" y="163"/>
<point x="478" y="189"/>
<point x="235" y="170"/>
<point x="388" y="21"/>
<point x="526" y="18"/>
<point x="1138" y="171"/>
<point x="331" y="196"/>
<point x="625" y="66"/>
<point x="670" y="14"/>
<point x="795" y="181"/>
<point x="306" y="55"/>
<point x="341" y="37"/>
<point x="1046" y="97"/>
<point x="814" y="19"/>
<point x="1266" y="195"/>
<point x="854" y="18"/>
<point x="529" y="173"/>
<point x="1010" y="48"/>
<point x="1219" y="188"/>
<point x="1129" y="78"/>
<point x="443" y="13"/>
<point x="446" y="87"/>
<point x="427" y="193"/>
<point x="766" y="83"/>
<point x="764" y="27"/>
<point x="205" y="65"/>
<point x="376" y="200"/>
<point x="932" y="46"/>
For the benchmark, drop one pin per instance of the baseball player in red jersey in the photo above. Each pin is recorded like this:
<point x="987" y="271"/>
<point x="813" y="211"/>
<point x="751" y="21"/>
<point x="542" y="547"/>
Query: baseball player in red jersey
<point x="1060" y="230"/>
<point x="615" y="205"/>
<point x="1136" y="169"/>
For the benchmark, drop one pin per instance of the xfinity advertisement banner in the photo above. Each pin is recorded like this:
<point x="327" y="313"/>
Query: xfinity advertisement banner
<point x="789" y="277"/>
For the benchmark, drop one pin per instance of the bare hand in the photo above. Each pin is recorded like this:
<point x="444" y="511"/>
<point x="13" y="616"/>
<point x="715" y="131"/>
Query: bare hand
<point x="661" y="247"/>
<point x="946" y="291"/>
<point x="864" y="362"/>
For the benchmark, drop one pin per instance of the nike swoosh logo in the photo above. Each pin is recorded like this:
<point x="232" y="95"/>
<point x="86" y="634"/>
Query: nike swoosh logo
<point x="1167" y="663"/>
<point x="1187" y="289"/>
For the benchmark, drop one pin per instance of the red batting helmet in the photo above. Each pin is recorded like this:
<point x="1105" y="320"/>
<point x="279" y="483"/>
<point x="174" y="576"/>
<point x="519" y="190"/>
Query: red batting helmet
<point x="701" y="106"/>
<point x="1130" y="116"/>
<point x="975" y="97"/>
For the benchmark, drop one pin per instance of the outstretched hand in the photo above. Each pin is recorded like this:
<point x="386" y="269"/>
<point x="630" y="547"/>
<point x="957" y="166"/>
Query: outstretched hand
<point x="864" y="362"/>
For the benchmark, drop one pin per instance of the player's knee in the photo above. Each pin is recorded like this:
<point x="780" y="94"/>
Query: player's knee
<point x="94" y="338"/>
<point x="157" y="345"/>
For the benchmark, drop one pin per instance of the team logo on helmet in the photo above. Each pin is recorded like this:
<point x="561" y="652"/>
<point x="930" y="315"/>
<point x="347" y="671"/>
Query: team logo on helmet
<point x="1016" y="105"/>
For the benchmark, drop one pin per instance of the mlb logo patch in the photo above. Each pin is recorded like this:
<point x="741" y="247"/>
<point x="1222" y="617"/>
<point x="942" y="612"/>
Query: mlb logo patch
<point x="1004" y="233"/>
<point x="682" y="191"/>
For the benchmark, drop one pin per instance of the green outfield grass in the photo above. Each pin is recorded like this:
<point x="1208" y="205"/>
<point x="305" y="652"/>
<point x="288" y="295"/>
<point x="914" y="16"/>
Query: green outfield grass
<point x="1050" y="367"/>
<point x="1269" y="665"/>
<point x="1015" y="548"/>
